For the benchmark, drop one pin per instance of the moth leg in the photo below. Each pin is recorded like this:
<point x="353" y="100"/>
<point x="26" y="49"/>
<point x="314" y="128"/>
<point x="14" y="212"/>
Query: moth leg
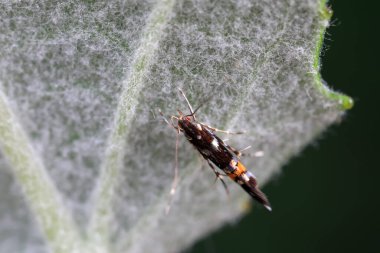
<point x="214" y="129"/>
<point x="175" y="172"/>
<point x="239" y="153"/>
<point x="259" y="153"/>
<point x="171" y="123"/>
<point x="244" y="149"/>
<point x="218" y="176"/>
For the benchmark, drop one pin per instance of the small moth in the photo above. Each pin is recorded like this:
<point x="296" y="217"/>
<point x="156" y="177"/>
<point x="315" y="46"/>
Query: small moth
<point x="216" y="152"/>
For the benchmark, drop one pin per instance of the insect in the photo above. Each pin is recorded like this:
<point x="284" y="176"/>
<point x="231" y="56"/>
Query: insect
<point x="216" y="152"/>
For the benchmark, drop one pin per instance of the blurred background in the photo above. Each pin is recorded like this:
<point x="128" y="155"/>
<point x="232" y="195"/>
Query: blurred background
<point x="328" y="198"/>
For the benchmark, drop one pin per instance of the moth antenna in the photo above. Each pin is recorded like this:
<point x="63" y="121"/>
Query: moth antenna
<point x="203" y="103"/>
<point x="188" y="103"/>
<point x="198" y="108"/>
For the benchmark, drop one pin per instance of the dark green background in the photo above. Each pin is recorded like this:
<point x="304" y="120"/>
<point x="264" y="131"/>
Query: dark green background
<point x="327" y="198"/>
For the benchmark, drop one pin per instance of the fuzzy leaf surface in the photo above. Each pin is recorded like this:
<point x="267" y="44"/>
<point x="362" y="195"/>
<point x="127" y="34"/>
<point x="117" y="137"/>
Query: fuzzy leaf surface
<point x="83" y="151"/>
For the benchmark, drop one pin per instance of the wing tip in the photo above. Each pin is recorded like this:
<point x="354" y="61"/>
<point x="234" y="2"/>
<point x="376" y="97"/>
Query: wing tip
<point x="268" y="207"/>
<point x="252" y="189"/>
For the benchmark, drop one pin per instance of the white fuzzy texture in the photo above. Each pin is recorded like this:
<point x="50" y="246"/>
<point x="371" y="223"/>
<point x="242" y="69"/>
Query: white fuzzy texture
<point x="85" y="80"/>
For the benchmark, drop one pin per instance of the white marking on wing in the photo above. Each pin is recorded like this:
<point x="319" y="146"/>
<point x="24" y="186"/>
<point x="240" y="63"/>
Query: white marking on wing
<point x="215" y="143"/>
<point x="245" y="177"/>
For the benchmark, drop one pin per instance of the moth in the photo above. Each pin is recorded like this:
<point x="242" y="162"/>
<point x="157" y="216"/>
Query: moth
<point x="219" y="155"/>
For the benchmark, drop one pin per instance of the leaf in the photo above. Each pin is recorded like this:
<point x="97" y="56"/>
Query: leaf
<point x="86" y="163"/>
